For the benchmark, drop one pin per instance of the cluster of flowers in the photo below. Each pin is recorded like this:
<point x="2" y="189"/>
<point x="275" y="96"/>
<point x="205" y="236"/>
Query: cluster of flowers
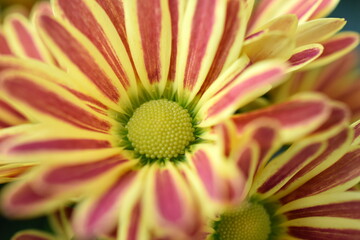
<point x="180" y="119"/>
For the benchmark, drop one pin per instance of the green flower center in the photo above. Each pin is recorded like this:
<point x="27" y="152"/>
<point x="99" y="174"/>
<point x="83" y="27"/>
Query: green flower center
<point x="250" y="222"/>
<point x="160" y="129"/>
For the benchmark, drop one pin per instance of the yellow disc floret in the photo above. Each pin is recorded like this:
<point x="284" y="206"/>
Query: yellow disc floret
<point x="160" y="129"/>
<point x="250" y="222"/>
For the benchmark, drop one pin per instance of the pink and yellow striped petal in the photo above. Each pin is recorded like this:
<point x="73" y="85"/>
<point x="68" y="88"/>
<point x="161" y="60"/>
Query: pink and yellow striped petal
<point x="50" y="186"/>
<point x="336" y="146"/>
<point x="297" y="117"/>
<point x="323" y="228"/>
<point x="92" y="21"/>
<point x="231" y="41"/>
<point x="175" y="212"/>
<point x="304" y="55"/>
<point x="50" y="143"/>
<point x="99" y="215"/>
<point x="265" y="134"/>
<point x="336" y="47"/>
<point x="223" y="183"/>
<point x="225" y="79"/>
<point x="9" y="116"/>
<point x="282" y="168"/>
<point x="48" y="102"/>
<point x="83" y="61"/>
<point x="202" y="30"/>
<point x="150" y="38"/>
<point x="23" y="39"/>
<point x="52" y="74"/>
<point x="243" y="88"/>
<point x="11" y="134"/>
<point x="267" y="10"/>
<point x="342" y="205"/>
<point x="340" y="176"/>
<point x="325" y="8"/>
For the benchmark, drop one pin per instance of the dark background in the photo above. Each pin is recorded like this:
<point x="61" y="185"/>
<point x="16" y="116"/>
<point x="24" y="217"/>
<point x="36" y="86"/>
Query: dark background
<point x="348" y="9"/>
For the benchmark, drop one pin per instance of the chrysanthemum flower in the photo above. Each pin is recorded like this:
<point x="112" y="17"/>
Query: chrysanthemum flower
<point x="140" y="85"/>
<point x="339" y="80"/>
<point x="297" y="192"/>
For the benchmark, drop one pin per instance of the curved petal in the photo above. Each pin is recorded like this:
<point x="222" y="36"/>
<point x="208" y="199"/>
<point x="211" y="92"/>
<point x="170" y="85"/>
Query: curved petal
<point x="304" y="55"/>
<point x="52" y="74"/>
<point x="342" y="205"/>
<point x="340" y="176"/>
<point x="336" y="47"/>
<point x="279" y="170"/>
<point x="337" y="146"/>
<point x="50" y="186"/>
<point x="40" y="142"/>
<point x="100" y="214"/>
<point x="267" y="10"/>
<point x="318" y="30"/>
<point x="325" y="8"/>
<point x="231" y="41"/>
<point x="48" y="102"/>
<point x="24" y="40"/>
<point x="324" y="228"/>
<point x="303" y="110"/>
<point x="32" y="235"/>
<point x="244" y="87"/>
<point x="89" y="18"/>
<point x="270" y="45"/>
<point x="83" y="62"/>
<point x="174" y="205"/>
<point x="10" y="116"/>
<point x="223" y="183"/>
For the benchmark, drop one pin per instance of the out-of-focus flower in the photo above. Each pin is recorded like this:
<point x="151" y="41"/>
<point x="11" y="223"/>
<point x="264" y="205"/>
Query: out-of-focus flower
<point x="18" y="38"/>
<point x="297" y="192"/>
<point x="339" y="80"/>
<point x="60" y="226"/>
<point x="139" y="87"/>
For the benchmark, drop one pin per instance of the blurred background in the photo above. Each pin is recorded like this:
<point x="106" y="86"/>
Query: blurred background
<point x="348" y="9"/>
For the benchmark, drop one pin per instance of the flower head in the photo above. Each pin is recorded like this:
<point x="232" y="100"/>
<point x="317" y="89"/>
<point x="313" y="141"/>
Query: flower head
<point x="291" y="191"/>
<point x="135" y="88"/>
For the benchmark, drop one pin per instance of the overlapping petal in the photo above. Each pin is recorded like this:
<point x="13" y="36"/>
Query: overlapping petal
<point x="250" y="84"/>
<point x="96" y="25"/>
<point x="46" y="101"/>
<point x="56" y="183"/>
<point x="83" y="61"/>
<point x="306" y="110"/>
